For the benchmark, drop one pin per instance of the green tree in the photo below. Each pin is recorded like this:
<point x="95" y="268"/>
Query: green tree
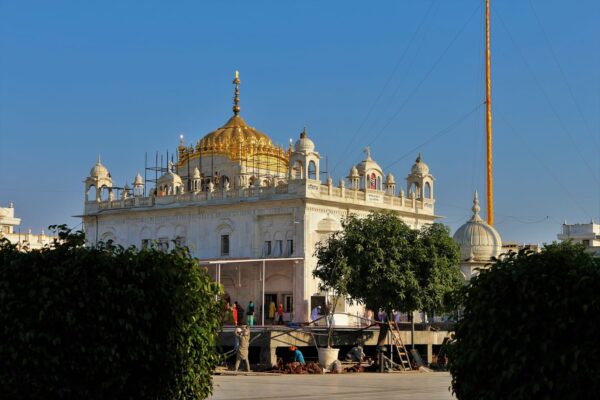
<point x="530" y="328"/>
<point x="381" y="262"/>
<point x="106" y="322"/>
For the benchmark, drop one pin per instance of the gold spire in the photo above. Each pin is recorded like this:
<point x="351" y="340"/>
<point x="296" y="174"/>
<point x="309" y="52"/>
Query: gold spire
<point x="488" y="104"/>
<point x="236" y="98"/>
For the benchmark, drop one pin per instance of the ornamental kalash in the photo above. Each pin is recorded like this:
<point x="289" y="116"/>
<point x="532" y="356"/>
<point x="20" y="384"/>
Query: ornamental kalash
<point x="251" y="211"/>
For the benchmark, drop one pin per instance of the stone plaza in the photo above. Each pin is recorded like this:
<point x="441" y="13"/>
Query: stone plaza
<point x="411" y="385"/>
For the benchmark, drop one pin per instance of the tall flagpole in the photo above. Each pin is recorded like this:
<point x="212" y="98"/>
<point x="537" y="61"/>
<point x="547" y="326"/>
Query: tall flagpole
<point x="488" y="107"/>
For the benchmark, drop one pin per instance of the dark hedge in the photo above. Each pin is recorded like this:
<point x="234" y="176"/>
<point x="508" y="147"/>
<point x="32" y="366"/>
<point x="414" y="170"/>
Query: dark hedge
<point x="530" y="328"/>
<point x="105" y="323"/>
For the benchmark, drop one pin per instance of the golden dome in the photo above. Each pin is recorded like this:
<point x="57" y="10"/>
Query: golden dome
<point x="238" y="141"/>
<point x="235" y="132"/>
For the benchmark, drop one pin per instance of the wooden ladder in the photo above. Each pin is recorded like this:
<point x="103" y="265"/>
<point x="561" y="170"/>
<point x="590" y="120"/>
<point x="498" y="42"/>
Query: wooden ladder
<point x="400" y="348"/>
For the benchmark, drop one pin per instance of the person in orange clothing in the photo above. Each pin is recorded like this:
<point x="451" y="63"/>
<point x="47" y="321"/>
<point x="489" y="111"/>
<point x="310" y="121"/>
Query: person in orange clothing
<point x="280" y="315"/>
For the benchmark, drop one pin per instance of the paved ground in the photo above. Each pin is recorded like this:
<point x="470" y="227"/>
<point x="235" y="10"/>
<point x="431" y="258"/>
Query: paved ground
<point x="428" y="386"/>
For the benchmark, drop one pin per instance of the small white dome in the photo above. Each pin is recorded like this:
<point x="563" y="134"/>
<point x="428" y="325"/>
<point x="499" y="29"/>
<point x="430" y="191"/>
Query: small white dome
<point x="170" y="177"/>
<point x="196" y="173"/>
<point x="138" y="181"/>
<point x="304" y="144"/>
<point x="368" y="164"/>
<point x="477" y="240"/>
<point x="99" y="170"/>
<point x="419" y="168"/>
<point x="353" y="172"/>
<point x="389" y="178"/>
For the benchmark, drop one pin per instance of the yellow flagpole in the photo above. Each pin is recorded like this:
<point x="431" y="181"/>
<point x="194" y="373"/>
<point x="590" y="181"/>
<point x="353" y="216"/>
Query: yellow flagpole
<point x="488" y="104"/>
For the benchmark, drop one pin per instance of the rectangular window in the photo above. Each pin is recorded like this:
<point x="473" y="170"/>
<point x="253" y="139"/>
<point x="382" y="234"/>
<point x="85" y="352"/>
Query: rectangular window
<point x="267" y="248"/>
<point x="586" y="243"/>
<point x="289" y="250"/>
<point x="224" y="245"/>
<point x="145" y="243"/>
<point x="278" y="248"/>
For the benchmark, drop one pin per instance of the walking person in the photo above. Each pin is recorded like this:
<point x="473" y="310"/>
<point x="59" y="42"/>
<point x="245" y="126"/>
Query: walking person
<point x="242" y="353"/>
<point x="250" y="313"/>
<point x="280" y="315"/>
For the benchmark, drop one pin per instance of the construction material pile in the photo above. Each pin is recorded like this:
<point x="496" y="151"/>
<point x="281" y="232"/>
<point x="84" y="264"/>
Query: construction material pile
<point x="297" y="368"/>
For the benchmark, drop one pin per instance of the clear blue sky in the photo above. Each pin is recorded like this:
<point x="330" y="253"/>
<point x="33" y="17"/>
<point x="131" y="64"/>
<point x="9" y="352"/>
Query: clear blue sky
<point x="120" y="78"/>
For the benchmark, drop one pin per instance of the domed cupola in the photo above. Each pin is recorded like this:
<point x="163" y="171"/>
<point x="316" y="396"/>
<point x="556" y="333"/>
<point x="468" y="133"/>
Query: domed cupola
<point x="478" y="241"/>
<point x="390" y="184"/>
<point x="99" y="170"/>
<point x="304" y="160"/>
<point x="170" y="183"/>
<point x="304" y="144"/>
<point x="419" y="167"/>
<point x="99" y="182"/>
<point x="370" y="172"/>
<point x="419" y="183"/>
<point x="138" y="185"/>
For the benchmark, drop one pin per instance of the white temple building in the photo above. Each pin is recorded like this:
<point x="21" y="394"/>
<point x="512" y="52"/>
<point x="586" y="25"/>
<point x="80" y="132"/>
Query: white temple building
<point x="9" y="229"/>
<point x="250" y="210"/>
<point x="479" y="243"/>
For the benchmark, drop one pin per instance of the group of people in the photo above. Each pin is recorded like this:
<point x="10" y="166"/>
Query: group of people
<point x="276" y="313"/>
<point x="235" y="313"/>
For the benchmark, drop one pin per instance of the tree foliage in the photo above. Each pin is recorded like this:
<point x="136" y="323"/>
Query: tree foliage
<point x="105" y="322"/>
<point x="381" y="262"/>
<point x="530" y="328"/>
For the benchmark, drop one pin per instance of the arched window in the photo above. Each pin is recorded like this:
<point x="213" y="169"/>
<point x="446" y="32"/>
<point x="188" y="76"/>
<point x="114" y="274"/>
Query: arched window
<point x="297" y="170"/>
<point x="373" y="181"/>
<point x="224" y="179"/>
<point x="104" y="193"/>
<point x="427" y="190"/>
<point x="378" y="183"/>
<point x="252" y="181"/>
<point x="312" y="170"/>
<point x="91" y="193"/>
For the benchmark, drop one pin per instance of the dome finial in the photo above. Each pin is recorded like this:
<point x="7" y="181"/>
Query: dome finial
<point x="418" y="158"/>
<point x="476" y="208"/>
<point x="303" y="133"/>
<point x="368" y="152"/>
<point x="236" y="98"/>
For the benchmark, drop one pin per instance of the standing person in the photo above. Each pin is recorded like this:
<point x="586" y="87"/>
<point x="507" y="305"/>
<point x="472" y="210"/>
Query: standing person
<point x="272" y="311"/>
<point x="250" y="313"/>
<point x="280" y="315"/>
<point x="234" y="311"/>
<point x="242" y="354"/>
<point x="241" y="319"/>
<point x="369" y="317"/>
<point x="314" y="314"/>
<point x="297" y="355"/>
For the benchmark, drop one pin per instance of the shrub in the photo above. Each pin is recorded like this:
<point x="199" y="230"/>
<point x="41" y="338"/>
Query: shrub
<point x="529" y="329"/>
<point x="105" y="323"/>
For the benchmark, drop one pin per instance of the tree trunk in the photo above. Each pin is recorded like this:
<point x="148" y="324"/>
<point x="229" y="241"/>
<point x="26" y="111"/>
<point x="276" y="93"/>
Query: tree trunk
<point x="384" y="328"/>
